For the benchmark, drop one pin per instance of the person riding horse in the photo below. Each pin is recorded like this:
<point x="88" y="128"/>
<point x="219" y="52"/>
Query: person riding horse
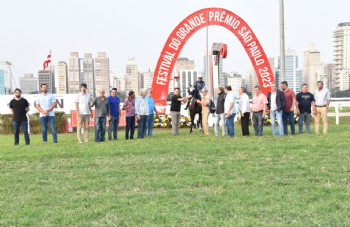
<point x="198" y="86"/>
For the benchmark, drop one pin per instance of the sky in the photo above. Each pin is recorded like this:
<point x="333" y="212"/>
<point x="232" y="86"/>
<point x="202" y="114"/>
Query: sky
<point x="139" y="29"/>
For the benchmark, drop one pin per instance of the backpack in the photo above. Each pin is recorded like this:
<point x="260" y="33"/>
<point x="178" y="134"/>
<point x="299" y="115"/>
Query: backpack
<point x="212" y="107"/>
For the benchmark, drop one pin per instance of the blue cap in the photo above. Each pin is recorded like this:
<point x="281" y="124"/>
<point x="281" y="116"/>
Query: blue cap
<point x="131" y="93"/>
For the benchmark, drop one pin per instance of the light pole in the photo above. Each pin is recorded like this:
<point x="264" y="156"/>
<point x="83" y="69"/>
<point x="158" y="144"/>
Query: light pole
<point x="282" y="48"/>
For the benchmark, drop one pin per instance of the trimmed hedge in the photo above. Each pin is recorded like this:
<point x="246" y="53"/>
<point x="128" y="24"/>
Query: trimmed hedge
<point x="6" y="126"/>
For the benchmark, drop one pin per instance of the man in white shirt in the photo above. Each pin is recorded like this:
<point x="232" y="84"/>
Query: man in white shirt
<point x="83" y="108"/>
<point x="322" y="100"/>
<point x="244" y="109"/>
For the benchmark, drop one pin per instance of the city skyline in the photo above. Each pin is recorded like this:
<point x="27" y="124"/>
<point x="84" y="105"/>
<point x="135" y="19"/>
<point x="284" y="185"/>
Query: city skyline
<point x="128" y="44"/>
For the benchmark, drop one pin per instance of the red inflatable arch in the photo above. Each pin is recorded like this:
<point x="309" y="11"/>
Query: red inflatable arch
<point x="196" y="21"/>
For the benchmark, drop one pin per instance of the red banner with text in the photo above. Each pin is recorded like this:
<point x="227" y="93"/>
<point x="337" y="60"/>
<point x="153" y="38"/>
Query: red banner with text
<point x="196" y="21"/>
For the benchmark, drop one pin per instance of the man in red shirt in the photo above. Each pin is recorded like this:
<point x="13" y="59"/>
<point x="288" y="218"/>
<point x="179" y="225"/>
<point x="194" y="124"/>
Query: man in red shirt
<point x="288" y="110"/>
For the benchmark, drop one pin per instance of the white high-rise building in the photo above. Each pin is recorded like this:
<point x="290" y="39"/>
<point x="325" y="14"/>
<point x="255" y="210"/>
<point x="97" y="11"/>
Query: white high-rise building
<point x="62" y="78"/>
<point x="235" y="81"/>
<point x="313" y="68"/>
<point x="28" y="83"/>
<point x="251" y="80"/>
<point x="187" y="78"/>
<point x="341" y="50"/>
<point x="344" y="80"/>
<point x="74" y="73"/>
<point x="132" y="77"/>
<point x="148" y="79"/>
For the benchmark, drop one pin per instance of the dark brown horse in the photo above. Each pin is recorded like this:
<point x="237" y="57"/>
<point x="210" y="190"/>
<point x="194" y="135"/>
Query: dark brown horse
<point x="195" y="108"/>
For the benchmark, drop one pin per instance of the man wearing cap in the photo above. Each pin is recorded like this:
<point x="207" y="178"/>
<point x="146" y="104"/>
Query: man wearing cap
<point x="129" y="106"/>
<point x="205" y="110"/>
<point x="141" y="113"/>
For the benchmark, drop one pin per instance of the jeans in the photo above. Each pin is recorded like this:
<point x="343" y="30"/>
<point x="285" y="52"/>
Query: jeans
<point x="51" y="120"/>
<point x="273" y="115"/>
<point x="230" y="125"/>
<point x="288" y="115"/>
<point x="100" y="129"/>
<point x="258" y="123"/>
<point x="113" y="127"/>
<point x="149" y="125"/>
<point x="304" y="117"/>
<point x="16" y="126"/>
<point x="142" y="124"/>
<point x="220" y="117"/>
<point x="130" y="126"/>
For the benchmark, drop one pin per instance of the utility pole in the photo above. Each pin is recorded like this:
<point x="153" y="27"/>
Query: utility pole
<point x="282" y="48"/>
<point x="207" y="79"/>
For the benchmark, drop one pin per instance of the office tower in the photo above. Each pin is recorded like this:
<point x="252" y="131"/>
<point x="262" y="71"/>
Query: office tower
<point x="278" y="77"/>
<point x="187" y="78"/>
<point x="147" y="78"/>
<point x="120" y="82"/>
<point x="62" y="78"/>
<point x="244" y="83"/>
<point x="341" y="46"/>
<point x="204" y="71"/>
<point x="101" y="67"/>
<point x="184" y="64"/>
<point x="111" y="79"/>
<point x="28" y="83"/>
<point x="87" y="74"/>
<point x="2" y="82"/>
<point x="272" y="64"/>
<point x="132" y="77"/>
<point x="235" y="80"/>
<point x="47" y="77"/>
<point x="313" y="68"/>
<point x="251" y="80"/>
<point x="74" y="73"/>
<point x="344" y="79"/>
<point x="329" y="72"/>
<point x="291" y="64"/>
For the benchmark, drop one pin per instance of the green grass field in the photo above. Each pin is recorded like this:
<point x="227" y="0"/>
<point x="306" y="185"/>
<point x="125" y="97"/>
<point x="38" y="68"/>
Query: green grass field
<point x="189" y="180"/>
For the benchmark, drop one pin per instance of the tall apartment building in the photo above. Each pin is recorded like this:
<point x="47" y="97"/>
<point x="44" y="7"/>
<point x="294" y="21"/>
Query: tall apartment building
<point x="120" y="82"/>
<point x="101" y="66"/>
<point x="341" y="46"/>
<point x="291" y="76"/>
<point x="2" y="82"/>
<point x="329" y="72"/>
<point x="132" y="77"/>
<point x="184" y="64"/>
<point x="252" y="80"/>
<point x="111" y="79"/>
<point x="62" y="78"/>
<point x="47" y="77"/>
<point x="87" y="74"/>
<point x="235" y="80"/>
<point x="28" y="83"/>
<point x="74" y="73"/>
<point x="187" y="78"/>
<point x="147" y="79"/>
<point x="344" y="80"/>
<point x="313" y="68"/>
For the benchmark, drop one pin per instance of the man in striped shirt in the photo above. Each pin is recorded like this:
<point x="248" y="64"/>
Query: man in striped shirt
<point x="142" y="112"/>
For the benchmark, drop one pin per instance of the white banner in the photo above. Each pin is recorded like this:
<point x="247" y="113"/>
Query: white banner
<point x="65" y="103"/>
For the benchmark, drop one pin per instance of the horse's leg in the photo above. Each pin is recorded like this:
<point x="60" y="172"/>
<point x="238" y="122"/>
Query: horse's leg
<point x="192" y="120"/>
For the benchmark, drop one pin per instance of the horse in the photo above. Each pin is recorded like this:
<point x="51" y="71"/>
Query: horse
<point x="195" y="108"/>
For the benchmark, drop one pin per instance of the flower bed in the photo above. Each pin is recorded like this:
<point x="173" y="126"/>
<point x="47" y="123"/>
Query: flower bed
<point x="164" y="121"/>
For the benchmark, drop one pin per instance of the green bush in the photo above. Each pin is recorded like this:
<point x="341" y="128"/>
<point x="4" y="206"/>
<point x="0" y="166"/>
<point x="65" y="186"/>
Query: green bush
<point x="6" y="126"/>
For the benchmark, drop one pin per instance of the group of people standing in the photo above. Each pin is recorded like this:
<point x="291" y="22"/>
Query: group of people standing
<point x="141" y="108"/>
<point x="280" y="103"/>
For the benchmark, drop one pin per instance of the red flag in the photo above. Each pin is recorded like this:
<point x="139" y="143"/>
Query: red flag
<point x="46" y="63"/>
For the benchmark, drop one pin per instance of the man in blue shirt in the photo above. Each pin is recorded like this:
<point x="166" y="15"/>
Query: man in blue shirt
<point x="230" y="110"/>
<point x="45" y="103"/>
<point x="114" y="103"/>
<point x="152" y="110"/>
